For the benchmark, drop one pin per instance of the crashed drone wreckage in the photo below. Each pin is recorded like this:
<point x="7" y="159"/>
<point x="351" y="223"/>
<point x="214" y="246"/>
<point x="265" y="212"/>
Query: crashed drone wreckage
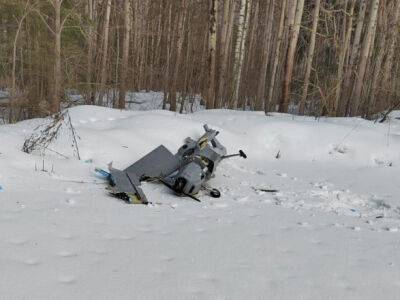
<point x="185" y="173"/>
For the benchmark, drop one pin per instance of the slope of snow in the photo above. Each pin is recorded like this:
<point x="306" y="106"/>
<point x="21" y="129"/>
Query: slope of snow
<point x="330" y="232"/>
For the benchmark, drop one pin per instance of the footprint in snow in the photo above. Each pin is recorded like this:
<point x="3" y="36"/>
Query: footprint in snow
<point x="208" y="278"/>
<point x="125" y="238"/>
<point x="253" y="216"/>
<point x="31" y="262"/>
<point x="67" y="279"/>
<point x="315" y="242"/>
<point x="205" y="217"/>
<point x="303" y="224"/>
<point x="70" y="201"/>
<point x="322" y="185"/>
<point x="160" y="272"/>
<point x="67" y="254"/>
<point x="66" y="236"/>
<point x="242" y="199"/>
<point x="221" y="205"/>
<point x="259" y="234"/>
<point x="7" y="218"/>
<point x="355" y="228"/>
<point x="283" y="175"/>
<point x="18" y="241"/>
<point x="391" y="229"/>
<point x="146" y="230"/>
<point x="100" y="252"/>
<point x="167" y="258"/>
<point x="166" y="233"/>
<point x="72" y="191"/>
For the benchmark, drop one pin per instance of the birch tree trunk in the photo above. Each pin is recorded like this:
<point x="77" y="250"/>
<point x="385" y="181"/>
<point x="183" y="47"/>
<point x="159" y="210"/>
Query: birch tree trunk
<point x="90" y="42"/>
<point x="125" y="53"/>
<point x="289" y="64"/>
<point x="367" y="45"/>
<point x="210" y="101"/>
<point x="310" y="56"/>
<point x="229" y="13"/>
<point x="239" y="47"/>
<point x="103" y="70"/>
<point x="56" y="90"/>
<point x="370" y="105"/>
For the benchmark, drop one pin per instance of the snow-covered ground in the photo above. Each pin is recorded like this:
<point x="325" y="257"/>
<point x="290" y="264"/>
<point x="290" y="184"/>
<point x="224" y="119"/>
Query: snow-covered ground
<point x="332" y="231"/>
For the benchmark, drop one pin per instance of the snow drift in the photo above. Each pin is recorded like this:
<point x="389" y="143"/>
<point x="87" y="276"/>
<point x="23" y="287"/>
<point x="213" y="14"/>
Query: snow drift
<point x="329" y="231"/>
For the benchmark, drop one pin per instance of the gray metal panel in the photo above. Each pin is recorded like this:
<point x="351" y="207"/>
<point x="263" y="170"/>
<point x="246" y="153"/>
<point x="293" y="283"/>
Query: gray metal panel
<point x="158" y="163"/>
<point x="122" y="183"/>
<point x="127" y="183"/>
<point x="139" y="192"/>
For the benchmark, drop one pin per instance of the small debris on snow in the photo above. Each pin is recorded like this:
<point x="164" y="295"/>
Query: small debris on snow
<point x="392" y="229"/>
<point x="355" y="228"/>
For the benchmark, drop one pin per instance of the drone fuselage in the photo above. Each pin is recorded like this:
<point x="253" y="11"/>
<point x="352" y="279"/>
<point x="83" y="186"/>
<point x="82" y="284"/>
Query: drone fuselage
<point x="185" y="172"/>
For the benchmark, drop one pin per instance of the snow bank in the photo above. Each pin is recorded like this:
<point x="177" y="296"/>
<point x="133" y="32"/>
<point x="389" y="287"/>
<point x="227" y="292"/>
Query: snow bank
<point x="343" y="141"/>
<point x="329" y="231"/>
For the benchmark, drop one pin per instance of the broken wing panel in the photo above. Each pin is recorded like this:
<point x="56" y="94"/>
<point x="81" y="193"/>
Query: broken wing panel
<point x="128" y="184"/>
<point x="158" y="163"/>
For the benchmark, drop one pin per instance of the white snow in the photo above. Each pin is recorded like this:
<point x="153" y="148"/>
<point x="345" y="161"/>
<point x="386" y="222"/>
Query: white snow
<point x="331" y="231"/>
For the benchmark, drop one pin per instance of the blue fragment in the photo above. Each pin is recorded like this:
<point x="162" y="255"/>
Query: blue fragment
<point x="102" y="174"/>
<point x="1" y="189"/>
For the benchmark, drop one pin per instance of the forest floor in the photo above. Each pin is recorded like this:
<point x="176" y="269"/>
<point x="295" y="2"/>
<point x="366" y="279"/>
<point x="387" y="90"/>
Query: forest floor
<point x="331" y="231"/>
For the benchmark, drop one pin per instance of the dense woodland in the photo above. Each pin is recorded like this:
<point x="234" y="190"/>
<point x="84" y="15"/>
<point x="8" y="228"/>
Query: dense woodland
<point x="314" y="57"/>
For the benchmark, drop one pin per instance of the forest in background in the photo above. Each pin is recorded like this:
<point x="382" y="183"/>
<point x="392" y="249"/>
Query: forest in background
<point x="312" y="57"/>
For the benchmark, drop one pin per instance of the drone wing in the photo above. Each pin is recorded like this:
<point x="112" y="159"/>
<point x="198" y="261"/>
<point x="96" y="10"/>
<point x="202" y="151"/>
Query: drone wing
<point x="125" y="184"/>
<point x="158" y="163"/>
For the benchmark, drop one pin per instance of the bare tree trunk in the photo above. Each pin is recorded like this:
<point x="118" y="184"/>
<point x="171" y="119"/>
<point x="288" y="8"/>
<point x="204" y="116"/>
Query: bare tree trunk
<point x="13" y="91"/>
<point x="261" y="102"/>
<point x="388" y="65"/>
<point x="103" y="71"/>
<point x="367" y="45"/>
<point x="355" y="49"/>
<point x="277" y="54"/>
<point x="310" y="56"/>
<point x="125" y="53"/>
<point x="248" y="60"/>
<point x="180" y="39"/>
<point x="289" y="64"/>
<point x="342" y="57"/>
<point x="168" y="58"/>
